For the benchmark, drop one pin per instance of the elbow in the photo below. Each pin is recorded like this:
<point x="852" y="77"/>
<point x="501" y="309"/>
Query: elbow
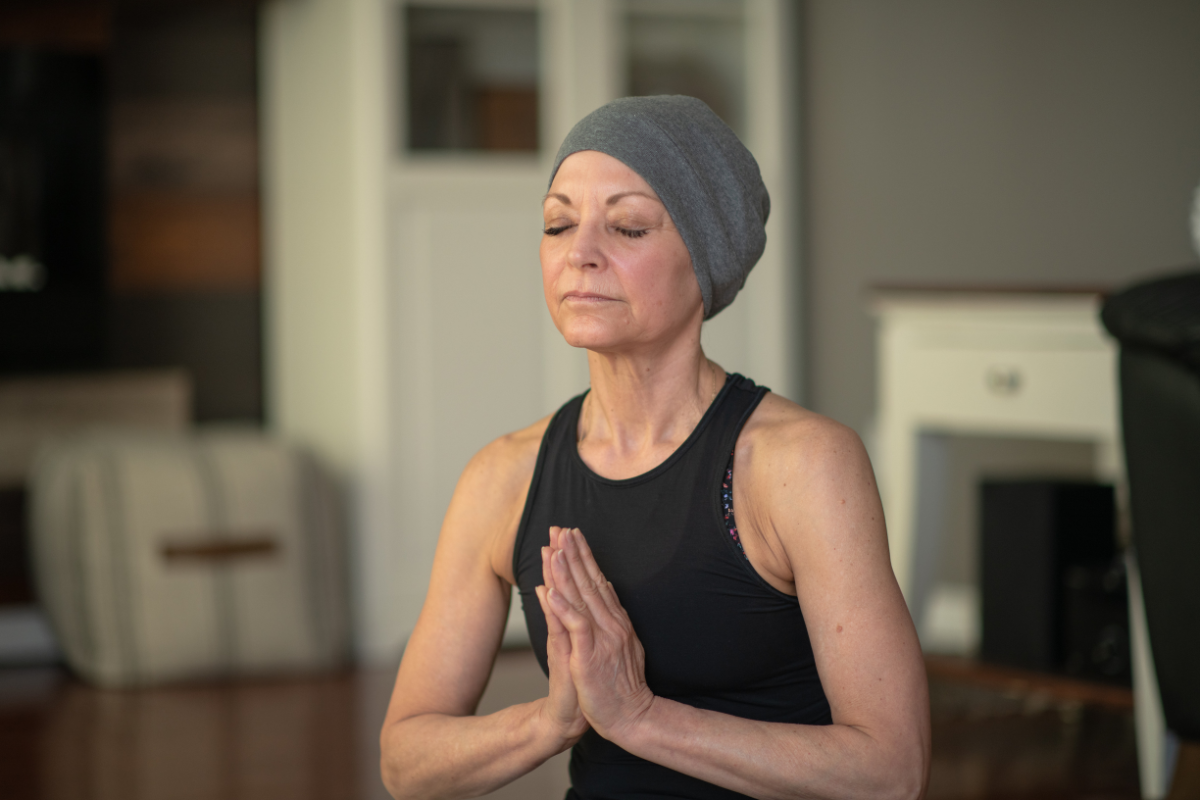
<point x="390" y="780"/>
<point x="405" y="773"/>
<point x="896" y="781"/>
<point x="895" y="769"/>
<point x="396" y="776"/>
<point x="908" y="774"/>
<point x="398" y="782"/>
<point x="398" y="788"/>
<point x="909" y="786"/>
<point x="389" y="772"/>
<point x="393" y="780"/>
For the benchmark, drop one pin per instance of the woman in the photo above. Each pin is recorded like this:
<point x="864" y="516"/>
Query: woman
<point x="691" y="652"/>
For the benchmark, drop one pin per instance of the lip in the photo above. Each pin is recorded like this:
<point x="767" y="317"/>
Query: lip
<point x="586" y="297"/>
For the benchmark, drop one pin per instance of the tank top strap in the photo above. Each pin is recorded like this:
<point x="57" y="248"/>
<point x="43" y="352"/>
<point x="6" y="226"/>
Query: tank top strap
<point x="713" y="437"/>
<point x="744" y="395"/>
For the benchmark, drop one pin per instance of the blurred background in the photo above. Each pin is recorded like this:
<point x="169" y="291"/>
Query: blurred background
<point x="318" y="220"/>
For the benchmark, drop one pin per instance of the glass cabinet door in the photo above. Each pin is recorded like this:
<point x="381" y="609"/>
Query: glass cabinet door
<point x="471" y="77"/>
<point x="692" y="47"/>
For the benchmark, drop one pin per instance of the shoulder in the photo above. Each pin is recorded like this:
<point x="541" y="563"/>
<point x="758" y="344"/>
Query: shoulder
<point x="485" y="511"/>
<point x="783" y="442"/>
<point x="811" y="486"/>
<point x="507" y="461"/>
<point x="815" y="492"/>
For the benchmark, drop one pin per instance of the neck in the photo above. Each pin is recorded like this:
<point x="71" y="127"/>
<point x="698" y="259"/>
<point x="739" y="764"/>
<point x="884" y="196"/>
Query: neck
<point x="643" y="403"/>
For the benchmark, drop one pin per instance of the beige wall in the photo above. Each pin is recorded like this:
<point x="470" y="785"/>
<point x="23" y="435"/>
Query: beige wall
<point x="1030" y="142"/>
<point x="323" y="107"/>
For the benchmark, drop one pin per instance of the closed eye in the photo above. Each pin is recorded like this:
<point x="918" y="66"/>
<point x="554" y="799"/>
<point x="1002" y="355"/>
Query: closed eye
<point x="632" y="233"/>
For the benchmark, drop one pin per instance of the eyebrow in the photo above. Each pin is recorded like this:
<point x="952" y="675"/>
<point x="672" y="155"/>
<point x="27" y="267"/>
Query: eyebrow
<point x="562" y="198"/>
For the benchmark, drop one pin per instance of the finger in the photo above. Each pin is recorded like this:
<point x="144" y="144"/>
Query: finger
<point x="576" y="623"/>
<point x="603" y="585"/>
<point x="601" y="611"/>
<point x="579" y="541"/>
<point x="591" y="582"/>
<point x="598" y="600"/>
<point x="609" y="595"/>
<point x="547" y="573"/>
<point x="558" y="653"/>
<point x="565" y="582"/>
<point x="587" y="576"/>
<point x="554" y="625"/>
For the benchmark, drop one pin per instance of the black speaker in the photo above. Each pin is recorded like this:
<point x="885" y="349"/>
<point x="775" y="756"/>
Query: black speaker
<point x="1034" y="534"/>
<point x="1096" y="622"/>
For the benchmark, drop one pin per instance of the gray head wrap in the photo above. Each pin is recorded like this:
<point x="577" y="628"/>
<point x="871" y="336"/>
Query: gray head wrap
<point x="703" y="174"/>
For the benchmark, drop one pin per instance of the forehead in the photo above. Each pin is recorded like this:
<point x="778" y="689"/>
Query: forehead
<point x="593" y="172"/>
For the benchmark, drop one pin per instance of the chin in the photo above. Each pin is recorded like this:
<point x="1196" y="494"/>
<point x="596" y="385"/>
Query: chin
<point x="590" y="333"/>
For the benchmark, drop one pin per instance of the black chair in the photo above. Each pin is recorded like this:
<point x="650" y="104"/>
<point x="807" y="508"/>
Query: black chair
<point x="1158" y="326"/>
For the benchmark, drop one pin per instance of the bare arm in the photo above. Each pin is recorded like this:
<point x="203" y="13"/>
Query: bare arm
<point x="432" y="745"/>
<point x="824" y="518"/>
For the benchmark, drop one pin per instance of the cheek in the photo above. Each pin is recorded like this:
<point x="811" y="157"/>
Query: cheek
<point x="546" y="256"/>
<point x="665" y="286"/>
<point x="685" y="275"/>
<point x="688" y="286"/>
<point x="678" y="281"/>
<point x="551" y="266"/>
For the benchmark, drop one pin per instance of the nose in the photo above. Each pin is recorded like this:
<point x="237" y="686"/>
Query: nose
<point x="586" y="248"/>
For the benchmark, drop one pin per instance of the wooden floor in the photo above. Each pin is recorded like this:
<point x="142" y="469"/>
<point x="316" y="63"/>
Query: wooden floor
<point x="996" y="734"/>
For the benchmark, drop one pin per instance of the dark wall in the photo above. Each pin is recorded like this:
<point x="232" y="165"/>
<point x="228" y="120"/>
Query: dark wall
<point x="1006" y="141"/>
<point x="129" y="181"/>
<point x="184" y="222"/>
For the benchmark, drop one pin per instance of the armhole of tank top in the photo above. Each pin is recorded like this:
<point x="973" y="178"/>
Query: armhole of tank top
<point x="717" y="511"/>
<point x="533" y="485"/>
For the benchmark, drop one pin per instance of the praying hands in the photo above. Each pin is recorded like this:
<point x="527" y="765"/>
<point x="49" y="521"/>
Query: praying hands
<point x="591" y="643"/>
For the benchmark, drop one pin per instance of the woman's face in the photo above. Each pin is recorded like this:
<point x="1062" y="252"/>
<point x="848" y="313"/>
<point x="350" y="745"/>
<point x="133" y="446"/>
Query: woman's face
<point x="615" y="270"/>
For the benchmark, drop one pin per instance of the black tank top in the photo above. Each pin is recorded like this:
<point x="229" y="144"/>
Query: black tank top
<point x="716" y="635"/>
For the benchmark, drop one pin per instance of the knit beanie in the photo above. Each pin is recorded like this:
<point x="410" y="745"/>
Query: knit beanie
<point x="704" y="175"/>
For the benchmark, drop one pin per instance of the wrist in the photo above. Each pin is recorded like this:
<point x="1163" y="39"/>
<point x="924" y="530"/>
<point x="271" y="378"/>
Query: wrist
<point x="637" y="726"/>
<point x="556" y="734"/>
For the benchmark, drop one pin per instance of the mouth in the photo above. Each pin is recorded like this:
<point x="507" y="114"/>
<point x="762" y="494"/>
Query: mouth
<point x="585" y="297"/>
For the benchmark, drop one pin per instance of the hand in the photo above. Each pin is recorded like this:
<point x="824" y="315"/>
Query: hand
<point x="561" y="706"/>
<point x="606" y="658"/>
